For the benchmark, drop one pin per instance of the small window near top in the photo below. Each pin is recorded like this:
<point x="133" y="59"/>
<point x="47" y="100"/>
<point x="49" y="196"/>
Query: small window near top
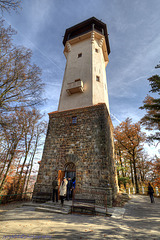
<point x="97" y="78"/>
<point x="74" y="120"/>
<point x="77" y="80"/>
<point x="96" y="50"/>
<point x="79" y="55"/>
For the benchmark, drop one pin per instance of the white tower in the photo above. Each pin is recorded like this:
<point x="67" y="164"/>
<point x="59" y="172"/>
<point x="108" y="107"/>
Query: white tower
<point x="86" y="50"/>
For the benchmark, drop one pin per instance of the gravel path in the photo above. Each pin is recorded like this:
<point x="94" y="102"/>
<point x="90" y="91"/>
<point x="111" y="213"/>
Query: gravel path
<point x="138" y="220"/>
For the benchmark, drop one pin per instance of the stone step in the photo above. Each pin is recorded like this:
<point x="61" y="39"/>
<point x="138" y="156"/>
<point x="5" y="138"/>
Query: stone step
<point x="58" y="206"/>
<point x="48" y="205"/>
<point x="66" y="209"/>
<point x="51" y="210"/>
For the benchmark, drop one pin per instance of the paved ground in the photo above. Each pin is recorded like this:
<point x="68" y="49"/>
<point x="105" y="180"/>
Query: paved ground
<point x="139" y="219"/>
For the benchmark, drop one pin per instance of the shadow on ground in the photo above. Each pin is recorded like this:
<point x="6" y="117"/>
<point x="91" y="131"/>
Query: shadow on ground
<point x="141" y="220"/>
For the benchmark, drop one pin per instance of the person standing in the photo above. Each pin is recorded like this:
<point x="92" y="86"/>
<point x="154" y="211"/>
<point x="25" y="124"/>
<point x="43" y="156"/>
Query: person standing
<point x="63" y="190"/>
<point x="69" y="189"/>
<point x="55" y="189"/>
<point x="73" y="187"/>
<point x="150" y="192"/>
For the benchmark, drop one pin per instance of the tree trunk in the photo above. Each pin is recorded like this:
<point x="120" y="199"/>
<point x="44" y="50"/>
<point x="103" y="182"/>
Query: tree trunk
<point x="120" y="159"/>
<point x="35" y="148"/>
<point x="131" y="171"/>
<point x="135" y="173"/>
<point x="4" y="165"/>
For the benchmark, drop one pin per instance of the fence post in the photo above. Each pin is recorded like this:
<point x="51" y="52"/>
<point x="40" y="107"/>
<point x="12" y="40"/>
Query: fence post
<point x="129" y="191"/>
<point x="133" y="190"/>
<point x="157" y="192"/>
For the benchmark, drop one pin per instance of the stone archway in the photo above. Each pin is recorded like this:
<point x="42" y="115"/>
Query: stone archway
<point x="70" y="170"/>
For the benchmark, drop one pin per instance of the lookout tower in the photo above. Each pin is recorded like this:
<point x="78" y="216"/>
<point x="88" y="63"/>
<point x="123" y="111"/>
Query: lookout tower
<point x="79" y="141"/>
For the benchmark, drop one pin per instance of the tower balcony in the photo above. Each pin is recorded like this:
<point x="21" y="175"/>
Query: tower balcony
<point x="75" y="87"/>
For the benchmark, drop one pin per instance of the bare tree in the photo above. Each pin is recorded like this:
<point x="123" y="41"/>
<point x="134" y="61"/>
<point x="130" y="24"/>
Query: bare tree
<point x="20" y="82"/>
<point x="39" y="132"/>
<point x="8" y="5"/>
<point x="31" y="122"/>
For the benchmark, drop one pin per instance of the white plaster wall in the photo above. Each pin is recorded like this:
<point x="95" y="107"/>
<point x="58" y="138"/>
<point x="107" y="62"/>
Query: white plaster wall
<point x="100" y="91"/>
<point x="85" y="68"/>
<point x="77" y="68"/>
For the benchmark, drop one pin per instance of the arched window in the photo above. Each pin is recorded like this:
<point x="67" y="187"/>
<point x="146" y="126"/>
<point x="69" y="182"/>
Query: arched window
<point x="70" y="167"/>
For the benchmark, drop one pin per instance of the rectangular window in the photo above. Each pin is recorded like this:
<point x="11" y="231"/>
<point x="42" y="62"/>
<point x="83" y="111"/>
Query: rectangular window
<point x="77" y="80"/>
<point x="97" y="78"/>
<point x="79" y="55"/>
<point x="74" y="120"/>
<point x="96" y="50"/>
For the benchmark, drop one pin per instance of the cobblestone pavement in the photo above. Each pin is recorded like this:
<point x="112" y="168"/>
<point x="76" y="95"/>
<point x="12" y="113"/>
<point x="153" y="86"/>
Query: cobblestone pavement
<point x="139" y="219"/>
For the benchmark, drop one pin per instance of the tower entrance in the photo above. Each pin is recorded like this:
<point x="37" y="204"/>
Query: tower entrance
<point x="70" y="170"/>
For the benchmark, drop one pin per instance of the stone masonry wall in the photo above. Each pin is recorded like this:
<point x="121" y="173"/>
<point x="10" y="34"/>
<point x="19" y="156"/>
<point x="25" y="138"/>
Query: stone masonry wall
<point x="89" y="145"/>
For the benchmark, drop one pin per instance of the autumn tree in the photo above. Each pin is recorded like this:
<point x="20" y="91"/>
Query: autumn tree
<point x="31" y="137"/>
<point x="151" y="119"/>
<point x="23" y="141"/>
<point x="20" y="82"/>
<point x="122" y="163"/>
<point x="12" y="132"/>
<point x="154" y="175"/>
<point x="129" y="137"/>
<point x="143" y="166"/>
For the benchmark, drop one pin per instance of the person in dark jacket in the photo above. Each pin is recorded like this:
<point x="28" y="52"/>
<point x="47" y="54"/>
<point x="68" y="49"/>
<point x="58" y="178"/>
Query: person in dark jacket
<point x="150" y="192"/>
<point x="55" y="189"/>
<point x="74" y="182"/>
<point x="69" y="189"/>
<point x="73" y="187"/>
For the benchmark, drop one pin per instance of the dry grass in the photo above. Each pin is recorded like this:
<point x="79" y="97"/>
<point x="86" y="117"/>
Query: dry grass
<point x="10" y="206"/>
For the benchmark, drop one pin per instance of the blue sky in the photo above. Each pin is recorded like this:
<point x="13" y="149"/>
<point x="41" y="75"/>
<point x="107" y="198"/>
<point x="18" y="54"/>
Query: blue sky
<point x="134" y="35"/>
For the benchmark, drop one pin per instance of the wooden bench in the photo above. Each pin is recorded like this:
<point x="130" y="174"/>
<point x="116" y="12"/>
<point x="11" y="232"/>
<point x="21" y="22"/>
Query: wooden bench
<point x="86" y="206"/>
<point x="42" y="197"/>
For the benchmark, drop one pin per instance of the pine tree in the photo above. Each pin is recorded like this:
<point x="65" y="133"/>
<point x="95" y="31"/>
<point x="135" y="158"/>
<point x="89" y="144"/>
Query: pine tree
<point x="151" y="119"/>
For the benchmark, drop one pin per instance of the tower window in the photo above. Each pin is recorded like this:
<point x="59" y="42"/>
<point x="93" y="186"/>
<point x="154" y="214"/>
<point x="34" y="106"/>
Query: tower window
<point x="96" y="50"/>
<point x="74" y="120"/>
<point x="97" y="78"/>
<point x="77" y="80"/>
<point x="79" y="55"/>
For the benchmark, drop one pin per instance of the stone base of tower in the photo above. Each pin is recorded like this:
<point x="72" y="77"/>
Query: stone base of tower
<point x="79" y="143"/>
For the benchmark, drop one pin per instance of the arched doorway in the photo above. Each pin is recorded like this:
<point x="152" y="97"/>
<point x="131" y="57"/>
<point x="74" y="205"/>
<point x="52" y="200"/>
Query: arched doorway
<point x="70" y="170"/>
